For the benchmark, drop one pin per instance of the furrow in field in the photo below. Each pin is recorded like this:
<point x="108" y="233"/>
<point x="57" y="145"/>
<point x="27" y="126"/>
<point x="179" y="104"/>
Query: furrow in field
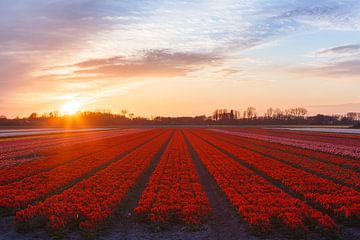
<point x="174" y="192"/>
<point x="348" y="151"/>
<point x="90" y="202"/>
<point x="32" y="189"/>
<point x="15" y="152"/>
<point x="337" y="138"/>
<point x="341" y="201"/>
<point x="259" y="203"/>
<point x="343" y="162"/>
<point x="329" y="171"/>
<point x="348" y="163"/>
<point x="59" y="156"/>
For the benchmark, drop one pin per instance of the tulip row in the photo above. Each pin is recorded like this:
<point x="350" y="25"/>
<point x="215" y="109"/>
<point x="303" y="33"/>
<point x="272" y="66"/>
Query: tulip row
<point x="259" y="203"/>
<point x="341" y="161"/>
<point x="351" y="151"/>
<point x="337" y="138"/>
<point x="90" y="202"/>
<point x="328" y="170"/>
<point x="59" y="155"/>
<point x="31" y="189"/>
<point x="337" y="199"/>
<point x="17" y="151"/>
<point x="174" y="192"/>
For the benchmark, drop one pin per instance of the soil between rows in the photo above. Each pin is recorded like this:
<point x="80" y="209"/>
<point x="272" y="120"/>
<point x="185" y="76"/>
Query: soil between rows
<point x="346" y="233"/>
<point x="78" y="158"/>
<point x="224" y="222"/>
<point x="7" y="212"/>
<point x="294" y="165"/>
<point x="290" y="150"/>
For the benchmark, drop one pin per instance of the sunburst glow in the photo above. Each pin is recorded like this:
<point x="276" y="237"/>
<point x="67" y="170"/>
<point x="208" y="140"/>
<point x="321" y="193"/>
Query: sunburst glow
<point x="71" y="107"/>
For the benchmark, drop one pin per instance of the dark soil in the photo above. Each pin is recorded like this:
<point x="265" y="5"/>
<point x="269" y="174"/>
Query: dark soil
<point x="224" y="222"/>
<point x="346" y="232"/>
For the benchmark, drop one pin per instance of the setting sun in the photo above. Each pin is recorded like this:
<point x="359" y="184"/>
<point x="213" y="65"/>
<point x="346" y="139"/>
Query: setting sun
<point x="71" y="107"/>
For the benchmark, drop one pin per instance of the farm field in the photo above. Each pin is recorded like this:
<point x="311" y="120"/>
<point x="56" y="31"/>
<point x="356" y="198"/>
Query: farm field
<point x="180" y="183"/>
<point x="41" y="131"/>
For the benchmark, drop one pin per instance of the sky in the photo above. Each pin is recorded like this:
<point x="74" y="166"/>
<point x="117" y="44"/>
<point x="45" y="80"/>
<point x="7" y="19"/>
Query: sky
<point x="179" y="58"/>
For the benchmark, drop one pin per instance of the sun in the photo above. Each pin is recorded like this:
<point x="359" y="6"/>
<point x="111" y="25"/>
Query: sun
<point x="71" y="107"/>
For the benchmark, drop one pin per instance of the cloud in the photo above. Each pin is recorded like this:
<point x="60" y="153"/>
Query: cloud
<point x="342" y="70"/>
<point x="343" y="49"/>
<point x="46" y="25"/>
<point x="149" y="64"/>
<point x="229" y="71"/>
<point x="339" y="15"/>
<point x="340" y="63"/>
<point x="13" y="72"/>
<point x="99" y="62"/>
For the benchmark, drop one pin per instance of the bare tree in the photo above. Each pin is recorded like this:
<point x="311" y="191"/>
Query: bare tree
<point x="216" y="115"/>
<point x="352" y="116"/>
<point x="302" y="111"/>
<point x="278" y="113"/>
<point x="250" y="112"/>
<point x="124" y="112"/>
<point x="33" y="115"/>
<point x="269" y="112"/>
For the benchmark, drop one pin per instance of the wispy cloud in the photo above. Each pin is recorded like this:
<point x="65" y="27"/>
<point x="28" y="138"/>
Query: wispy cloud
<point x="149" y="64"/>
<point x="343" y="49"/>
<point x="340" y="15"/>
<point x="340" y="62"/>
<point x="342" y="70"/>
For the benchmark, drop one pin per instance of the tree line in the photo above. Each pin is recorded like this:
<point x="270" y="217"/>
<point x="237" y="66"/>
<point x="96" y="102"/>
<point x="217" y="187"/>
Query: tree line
<point x="271" y="116"/>
<point x="250" y="115"/>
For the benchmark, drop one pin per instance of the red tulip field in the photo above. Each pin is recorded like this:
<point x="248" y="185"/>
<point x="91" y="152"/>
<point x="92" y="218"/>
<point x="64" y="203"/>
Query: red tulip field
<point x="181" y="183"/>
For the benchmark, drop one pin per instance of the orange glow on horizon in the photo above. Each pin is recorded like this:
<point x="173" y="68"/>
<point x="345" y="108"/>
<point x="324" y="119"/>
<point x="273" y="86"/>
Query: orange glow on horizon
<point x="71" y="107"/>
